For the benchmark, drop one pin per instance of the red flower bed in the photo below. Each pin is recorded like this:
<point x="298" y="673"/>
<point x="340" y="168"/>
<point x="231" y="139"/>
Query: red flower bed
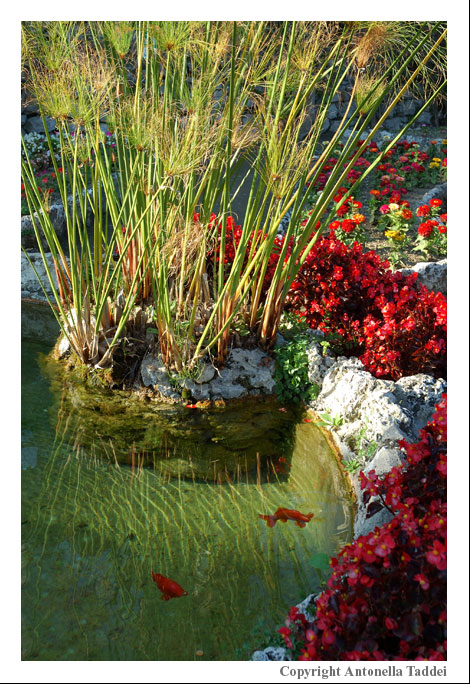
<point x="386" y="598"/>
<point x="395" y="326"/>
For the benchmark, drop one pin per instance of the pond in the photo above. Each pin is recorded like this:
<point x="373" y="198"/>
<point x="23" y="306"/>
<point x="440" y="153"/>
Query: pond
<point x="113" y="491"/>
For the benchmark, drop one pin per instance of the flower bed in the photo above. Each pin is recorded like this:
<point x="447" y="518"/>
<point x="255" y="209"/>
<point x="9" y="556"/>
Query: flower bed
<point x="404" y="167"/>
<point x="386" y="597"/>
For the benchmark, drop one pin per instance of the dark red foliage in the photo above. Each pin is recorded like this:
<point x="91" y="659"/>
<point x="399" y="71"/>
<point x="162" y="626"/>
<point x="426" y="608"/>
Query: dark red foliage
<point x="395" y="326"/>
<point x="386" y="597"/>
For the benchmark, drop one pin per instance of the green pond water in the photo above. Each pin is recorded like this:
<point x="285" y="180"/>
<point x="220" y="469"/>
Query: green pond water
<point x="113" y="490"/>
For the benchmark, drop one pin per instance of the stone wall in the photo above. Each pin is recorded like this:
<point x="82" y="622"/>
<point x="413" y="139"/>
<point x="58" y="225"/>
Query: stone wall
<point x="409" y="105"/>
<point x="435" y="115"/>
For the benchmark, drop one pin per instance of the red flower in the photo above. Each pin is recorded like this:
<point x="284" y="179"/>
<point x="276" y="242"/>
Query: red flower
<point x="435" y="203"/>
<point x="423" y="581"/>
<point x="425" y="229"/>
<point x="348" y="225"/>
<point x="385" y="545"/>
<point x="423" y="211"/>
<point x="328" y="638"/>
<point x="437" y="555"/>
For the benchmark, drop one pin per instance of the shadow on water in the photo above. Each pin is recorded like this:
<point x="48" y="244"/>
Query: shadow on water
<point x="181" y="496"/>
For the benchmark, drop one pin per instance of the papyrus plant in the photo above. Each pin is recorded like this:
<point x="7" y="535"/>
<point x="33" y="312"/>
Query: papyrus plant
<point x="198" y="111"/>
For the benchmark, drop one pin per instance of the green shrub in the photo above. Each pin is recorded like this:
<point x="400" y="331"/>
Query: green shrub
<point x="291" y="374"/>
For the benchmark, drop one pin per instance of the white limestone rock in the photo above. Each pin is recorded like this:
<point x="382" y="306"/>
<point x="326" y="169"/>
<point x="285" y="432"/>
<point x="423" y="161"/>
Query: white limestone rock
<point x="30" y="285"/>
<point x="247" y="371"/>
<point x="418" y="396"/>
<point x="432" y="275"/>
<point x="225" y="386"/>
<point x="318" y="363"/>
<point x="58" y="220"/>
<point x="155" y="374"/>
<point x="376" y="411"/>
<point x="153" y="371"/>
<point x="277" y="653"/>
<point x="259" y="655"/>
<point x="199" y="392"/>
<point x="63" y="347"/>
<point x="35" y="124"/>
<point x="252" y="366"/>
<point x="385" y="459"/>
<point x="206" y="374"/>
<point x="307" y="606"/>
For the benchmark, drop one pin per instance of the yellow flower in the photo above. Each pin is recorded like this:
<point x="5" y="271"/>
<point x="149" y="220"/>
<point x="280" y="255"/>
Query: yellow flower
<point x="396" y="235"/>
<point x="436" y="159"/>
<point x="393" y="206"/>
<point x="434" y="165"/>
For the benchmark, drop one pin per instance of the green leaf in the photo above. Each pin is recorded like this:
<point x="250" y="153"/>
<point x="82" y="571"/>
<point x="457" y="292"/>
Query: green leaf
<point x="320" y="561"/>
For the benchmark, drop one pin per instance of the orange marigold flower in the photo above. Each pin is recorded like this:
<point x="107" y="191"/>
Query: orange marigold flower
<point x="359" y="218"/>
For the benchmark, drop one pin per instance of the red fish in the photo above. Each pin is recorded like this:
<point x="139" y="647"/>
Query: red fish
<point x="169" y="588"/>
<point x="285" y="514"/>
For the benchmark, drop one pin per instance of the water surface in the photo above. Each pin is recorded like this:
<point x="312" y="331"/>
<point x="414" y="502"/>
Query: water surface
<point x="181" y="497"/>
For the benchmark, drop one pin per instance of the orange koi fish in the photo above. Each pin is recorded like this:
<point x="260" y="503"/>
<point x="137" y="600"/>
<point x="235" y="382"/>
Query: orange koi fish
<point x="285" y="514"/>
<point x="169" y="588"/>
